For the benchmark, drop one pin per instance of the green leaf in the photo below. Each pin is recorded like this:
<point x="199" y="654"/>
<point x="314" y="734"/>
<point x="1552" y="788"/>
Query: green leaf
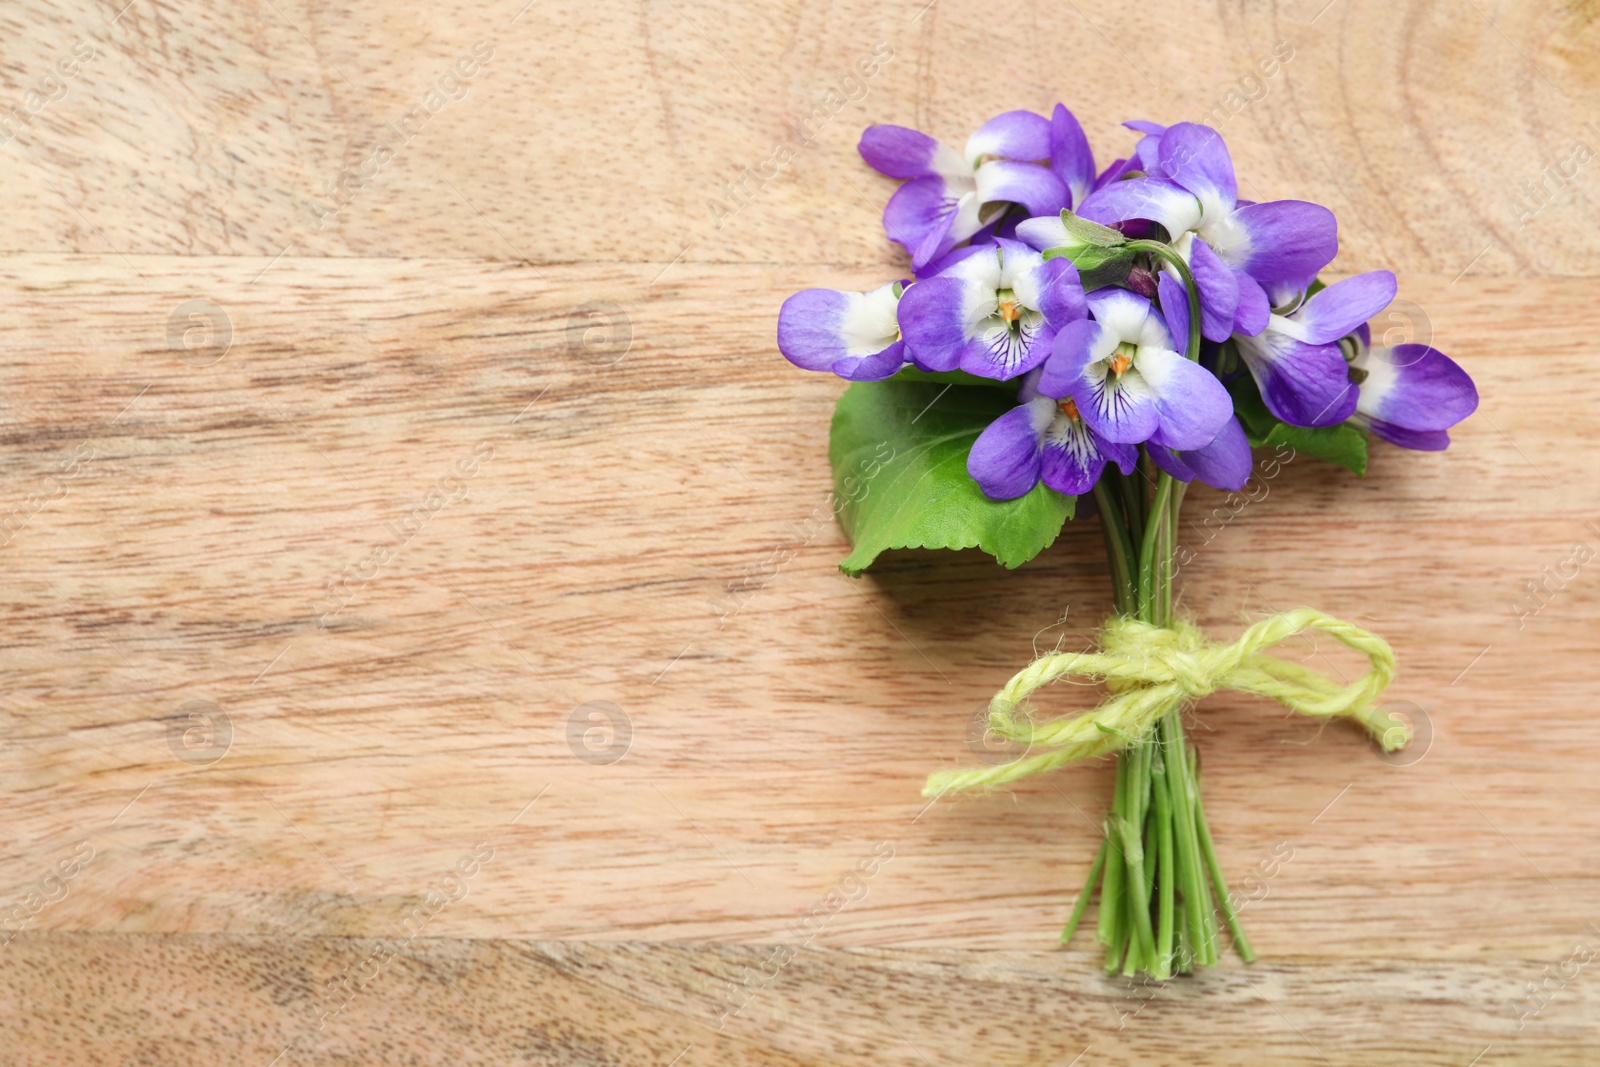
<point x="1251" y="409"/>
<point x="899" y="452"/>
<point x="1091" y="257"/>
<point x="1097" y="251"/>
<point x="952" y="377"/>
<point x="1342" y="444"/>
<point x="1097" y="267"/>
<point x="1091" y="233"/>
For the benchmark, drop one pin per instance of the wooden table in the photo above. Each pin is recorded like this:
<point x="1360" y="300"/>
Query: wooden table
<point x="367" y="698"/>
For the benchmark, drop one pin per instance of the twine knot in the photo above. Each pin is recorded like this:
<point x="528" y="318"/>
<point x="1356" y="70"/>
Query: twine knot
<point x="1151" y="670"/>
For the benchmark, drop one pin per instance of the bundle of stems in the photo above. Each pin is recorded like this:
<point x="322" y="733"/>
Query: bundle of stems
<point x="1161" y="885"/>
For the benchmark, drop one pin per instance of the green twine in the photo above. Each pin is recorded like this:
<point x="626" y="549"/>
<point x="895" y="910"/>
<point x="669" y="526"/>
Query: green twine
<point x="1151" y="670"/>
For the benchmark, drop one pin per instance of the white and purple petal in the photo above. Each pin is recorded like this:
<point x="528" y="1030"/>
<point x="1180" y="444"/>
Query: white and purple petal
<point x="1074" y="456"/>
<point x="1191" y="403"/>
<point x="1223" y="464"/>
<point x="1051" y="286"/>
<point x="1045" y="232"/>
<point x="1034" y="187"/>
<point x="1143" y="198"/>
<point x="1018" y="135"/>
<point x="918" y="207"/>
<point x="1414" y="387"/>
<point x="1005" y="459"/>
<point x="945" y="262"/>
<point x="928" y="216"/>
<point x="1194" y="157"/>
<point x="830" y="330"/>
<point x="1070" y="156"/>
<point x="900" y="152"/>
<point x="1118" y="407"/>
<point x="1174" y="308"/>
<point x="1304" y="385"/>
<point x="1219" y="291"/>
<point x="875" y="367"/>
<point x="938" y="315"/>
<point x="962" y="223"/>
<point x="1419" y="440"/>
<point x="1077" y="346"/>
<point x="1341" y="307"/>
<point x="1125" y="314"/>
<point x="1254" y="310"/>
<point x="1285" y="241"/>
<point x="1001" y="351"/>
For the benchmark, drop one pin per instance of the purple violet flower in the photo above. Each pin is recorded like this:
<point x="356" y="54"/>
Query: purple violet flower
<point x="1409" y="394"/>
<point x="1071" y="159"/>
<point x="1129" y="382"/>
<point x="1042" y="439"/>
<point x="993" y="313"/>
<point x="1296" y="361"/>
<point x="1223" y="464"/>
<point x="947" y="194"/>
<point x="1240" y="252"/>
<point x="1147" y="153"/>
<point x="854" y="335"/>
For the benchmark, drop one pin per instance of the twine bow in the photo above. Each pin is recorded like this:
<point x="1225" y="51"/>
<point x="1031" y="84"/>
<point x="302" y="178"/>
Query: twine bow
<point x="1151" y="670"/>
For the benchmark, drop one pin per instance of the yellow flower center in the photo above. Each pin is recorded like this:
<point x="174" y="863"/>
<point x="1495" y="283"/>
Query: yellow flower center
<point x="1122" y="359"/>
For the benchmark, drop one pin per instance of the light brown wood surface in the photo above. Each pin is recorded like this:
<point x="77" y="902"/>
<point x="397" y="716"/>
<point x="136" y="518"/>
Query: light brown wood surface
<point x="634" y="467"/>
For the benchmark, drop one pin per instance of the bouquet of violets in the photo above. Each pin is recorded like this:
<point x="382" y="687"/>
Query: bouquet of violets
<point x="1074" y="340"/>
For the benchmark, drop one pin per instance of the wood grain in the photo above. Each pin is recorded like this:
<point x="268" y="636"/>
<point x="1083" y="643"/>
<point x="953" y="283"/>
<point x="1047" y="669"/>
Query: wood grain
<point x="531" y="314"/>
<point x="452" y="1000"/>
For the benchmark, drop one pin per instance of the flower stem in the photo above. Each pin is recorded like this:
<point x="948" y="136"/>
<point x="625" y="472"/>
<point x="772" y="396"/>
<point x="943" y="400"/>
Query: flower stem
<point x="1131" y="826"/>
<point x="1157" y="865"/>
<point x="1165" y="860"/>
<point x="1133" y="503"/>
<point x="1149" y="594"/>
<point x="1119" y="549"/>
<point x="1190" y="869"/>
<point x="1225" y="899"/>
<point x="1088" y="891"/>
<point x="1170" y="255"/>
